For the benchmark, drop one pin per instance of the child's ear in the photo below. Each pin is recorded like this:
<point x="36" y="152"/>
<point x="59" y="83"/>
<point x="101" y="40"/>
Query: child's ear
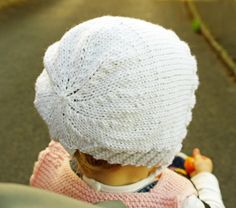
<point x="154" y="168"/>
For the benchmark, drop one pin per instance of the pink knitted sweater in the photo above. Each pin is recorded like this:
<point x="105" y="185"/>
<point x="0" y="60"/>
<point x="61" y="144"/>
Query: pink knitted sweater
<point x="52" y="171"/>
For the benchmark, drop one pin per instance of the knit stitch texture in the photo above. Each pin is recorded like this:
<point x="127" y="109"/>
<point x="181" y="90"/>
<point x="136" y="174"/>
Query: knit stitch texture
<point x="119" y="89"/>
<point x="52" y="172"/>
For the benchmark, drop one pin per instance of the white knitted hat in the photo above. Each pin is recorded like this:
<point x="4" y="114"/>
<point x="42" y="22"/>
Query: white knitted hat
<point x="119" y="89"/>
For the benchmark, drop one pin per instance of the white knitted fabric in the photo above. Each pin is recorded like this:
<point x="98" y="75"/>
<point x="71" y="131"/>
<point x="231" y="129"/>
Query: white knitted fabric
<point x="119" y="89"/>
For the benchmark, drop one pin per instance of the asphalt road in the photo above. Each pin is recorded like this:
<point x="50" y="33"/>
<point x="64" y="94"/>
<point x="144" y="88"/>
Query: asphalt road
<point x="25" y="33"/>
<point x="220" y="17"/>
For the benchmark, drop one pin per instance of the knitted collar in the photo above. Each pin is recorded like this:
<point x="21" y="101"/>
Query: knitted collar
<point x="135" y="187"/>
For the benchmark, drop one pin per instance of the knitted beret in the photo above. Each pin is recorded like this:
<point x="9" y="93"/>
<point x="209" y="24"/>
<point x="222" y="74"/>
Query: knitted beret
<point x="120" y="89"/>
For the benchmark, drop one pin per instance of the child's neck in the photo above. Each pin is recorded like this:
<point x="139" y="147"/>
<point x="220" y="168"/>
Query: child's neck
<point x="122" y="175"/>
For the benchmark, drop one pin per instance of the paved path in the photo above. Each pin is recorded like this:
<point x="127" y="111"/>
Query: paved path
<point x="220" y="17"/>
<point x="25" y="33"/>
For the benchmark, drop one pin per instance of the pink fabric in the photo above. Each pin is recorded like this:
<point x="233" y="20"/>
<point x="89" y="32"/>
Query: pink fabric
<point x="52" y="172"/>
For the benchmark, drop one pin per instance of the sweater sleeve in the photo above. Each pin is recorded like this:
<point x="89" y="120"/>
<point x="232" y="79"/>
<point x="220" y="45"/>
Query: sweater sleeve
<point x="208" y="190"/>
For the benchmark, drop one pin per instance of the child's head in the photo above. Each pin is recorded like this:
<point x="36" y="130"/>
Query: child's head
<point x="120" y="90"/>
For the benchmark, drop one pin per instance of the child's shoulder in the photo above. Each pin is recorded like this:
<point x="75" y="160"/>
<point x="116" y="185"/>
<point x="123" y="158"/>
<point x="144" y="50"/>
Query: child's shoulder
<point x="55" y="150"/>
<point x="177" y="183"/>
<point x="49" y="158"/>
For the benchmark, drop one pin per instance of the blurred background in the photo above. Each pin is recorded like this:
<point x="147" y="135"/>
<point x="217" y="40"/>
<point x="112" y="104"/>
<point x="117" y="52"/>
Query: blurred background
<point x="28" y="27"/>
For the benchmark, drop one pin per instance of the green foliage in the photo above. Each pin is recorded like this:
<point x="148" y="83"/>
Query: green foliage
<point x="196" y="25"/>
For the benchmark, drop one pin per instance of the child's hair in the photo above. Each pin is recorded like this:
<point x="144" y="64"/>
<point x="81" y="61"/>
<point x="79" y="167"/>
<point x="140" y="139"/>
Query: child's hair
<point x="89" y="163"/>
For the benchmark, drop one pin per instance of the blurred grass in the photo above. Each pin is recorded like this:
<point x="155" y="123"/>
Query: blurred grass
<point x="8" y="3"/>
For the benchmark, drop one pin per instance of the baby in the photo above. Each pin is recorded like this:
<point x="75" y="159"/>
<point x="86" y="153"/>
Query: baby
<point x="117" y="95"/>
